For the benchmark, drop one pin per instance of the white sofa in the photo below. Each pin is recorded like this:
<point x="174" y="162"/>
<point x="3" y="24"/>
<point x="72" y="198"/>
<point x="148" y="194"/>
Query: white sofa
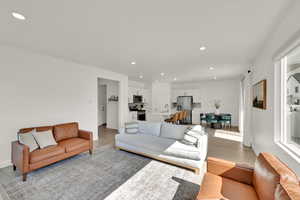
<point x="154" y="140"/>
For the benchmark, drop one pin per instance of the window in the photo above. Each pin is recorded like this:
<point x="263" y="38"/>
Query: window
<point x="289" y="136"/>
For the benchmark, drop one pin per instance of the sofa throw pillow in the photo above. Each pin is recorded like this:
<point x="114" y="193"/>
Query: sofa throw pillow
<point x="28" y="140"/>
<point x="44" y="138"/>
<point x="150" y="128"/>
<point x="190" y="139"/>
<point x="172" y="131"/>
<point x="131" y="127"/>
<point x="192" y="135"/>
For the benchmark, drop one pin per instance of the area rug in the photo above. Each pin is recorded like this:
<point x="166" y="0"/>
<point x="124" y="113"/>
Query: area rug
<point x="108" y="174"/>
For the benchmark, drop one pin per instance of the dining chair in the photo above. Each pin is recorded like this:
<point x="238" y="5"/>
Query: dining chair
<point x="226" y="120"/>
<point x="202" y="118"/>
<point x="211" y="119"/>
<point x="181" y="117"/>
<point x="185" y="113"/>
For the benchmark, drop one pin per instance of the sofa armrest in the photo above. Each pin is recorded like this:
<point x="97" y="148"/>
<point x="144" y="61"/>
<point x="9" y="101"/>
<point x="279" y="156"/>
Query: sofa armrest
<point x="231" y="170"/>
<point x="88" y="135"/>
<point x="20" y="156"/>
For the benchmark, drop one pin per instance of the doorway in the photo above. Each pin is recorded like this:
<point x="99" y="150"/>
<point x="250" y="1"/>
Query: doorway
<point x="108" y="110"/>
<point x="102" y="107"/>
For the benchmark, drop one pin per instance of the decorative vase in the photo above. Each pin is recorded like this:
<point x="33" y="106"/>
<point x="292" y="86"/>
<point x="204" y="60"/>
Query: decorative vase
<point x="217" y="112"/>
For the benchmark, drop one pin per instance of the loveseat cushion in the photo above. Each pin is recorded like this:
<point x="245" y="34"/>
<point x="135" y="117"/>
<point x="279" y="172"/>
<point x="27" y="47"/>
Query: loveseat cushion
<point x="217" y="187"/>
<point x="43" y="154"/>
<point x="269" y="172"/>
<point x="74" y="144"/>
<point x="65" y="131"/>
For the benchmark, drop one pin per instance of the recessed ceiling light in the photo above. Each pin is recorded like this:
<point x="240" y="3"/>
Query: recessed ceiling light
<point x="133" y="62"/>
<point x="175" y="79"/>
<point x="211" y="68"/>
<point x="202" y="48"/>
<point x="18" y="16"/>
<point x="215" y="78"/>
<point x="141" y="76"/>
<point x="162" y="74"/>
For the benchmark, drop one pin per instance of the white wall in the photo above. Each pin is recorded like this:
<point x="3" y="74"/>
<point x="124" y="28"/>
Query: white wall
<point x="161" y="97"/>
<point x="263" y="121"/>
<point x="136" y="84"/>
<point x="39" y="90"/>
<point x="205" y="92"/>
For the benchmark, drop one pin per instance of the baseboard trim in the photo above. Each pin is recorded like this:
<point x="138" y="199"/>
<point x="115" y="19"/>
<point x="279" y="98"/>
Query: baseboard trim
<point x="5" y="163"/>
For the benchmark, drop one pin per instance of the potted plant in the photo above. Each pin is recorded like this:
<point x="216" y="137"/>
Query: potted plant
<point x="217" y="105"/>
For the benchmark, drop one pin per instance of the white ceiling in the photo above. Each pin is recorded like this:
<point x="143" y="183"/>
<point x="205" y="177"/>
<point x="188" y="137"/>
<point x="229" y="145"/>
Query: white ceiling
<point x="160" y="35"/>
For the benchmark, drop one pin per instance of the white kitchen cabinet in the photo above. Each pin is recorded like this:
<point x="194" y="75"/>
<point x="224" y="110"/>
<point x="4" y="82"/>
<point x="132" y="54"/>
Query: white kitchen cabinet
<point x="131" y="92"/>
<point x="174" y="96"/>
<point x="196" y="96"/>
<point x="177" y="93"/>
<point x="146" y="96"/>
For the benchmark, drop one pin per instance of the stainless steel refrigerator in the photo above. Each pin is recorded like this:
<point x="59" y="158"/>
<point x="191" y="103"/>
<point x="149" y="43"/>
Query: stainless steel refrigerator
<point x="186" y="103"/>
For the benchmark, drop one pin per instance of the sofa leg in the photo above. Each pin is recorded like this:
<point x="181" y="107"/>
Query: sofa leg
<point x="14" y="167"/>
<point x="24" y="177"/>
<point x="91" y="151"/>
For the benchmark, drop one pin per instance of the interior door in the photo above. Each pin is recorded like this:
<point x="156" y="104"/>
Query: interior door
<point x="102" y="102"/>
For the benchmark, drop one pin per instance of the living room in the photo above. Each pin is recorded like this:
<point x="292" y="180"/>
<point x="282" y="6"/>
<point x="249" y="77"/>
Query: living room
<point x="242" y="62"/>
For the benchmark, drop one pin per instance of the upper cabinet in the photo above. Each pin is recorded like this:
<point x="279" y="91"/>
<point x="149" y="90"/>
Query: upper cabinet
<point x="131" y="92"/>
<point x="146" y="96"/>
<point x="196" y="96"/>
<point x="139" y="91"/>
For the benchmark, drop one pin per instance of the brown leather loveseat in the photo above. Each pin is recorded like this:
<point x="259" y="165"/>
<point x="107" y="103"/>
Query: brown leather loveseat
<point x="70" y="141"/>
<point x="269" y="180"/>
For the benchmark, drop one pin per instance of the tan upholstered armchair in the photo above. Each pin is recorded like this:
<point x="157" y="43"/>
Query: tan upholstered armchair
<point x="270" y="179"/>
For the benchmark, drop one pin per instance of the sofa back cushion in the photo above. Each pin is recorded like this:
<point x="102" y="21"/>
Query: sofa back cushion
<point x="150" y="128"/>
<point x="37" y="129"/>
<point x="172" y="131"/>
<point x="65" y="131"/>
<point x="269" y="173"/>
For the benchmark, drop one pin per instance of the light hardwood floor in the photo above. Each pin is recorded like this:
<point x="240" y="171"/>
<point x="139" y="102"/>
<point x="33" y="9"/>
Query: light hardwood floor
<point x="217" y="147"/>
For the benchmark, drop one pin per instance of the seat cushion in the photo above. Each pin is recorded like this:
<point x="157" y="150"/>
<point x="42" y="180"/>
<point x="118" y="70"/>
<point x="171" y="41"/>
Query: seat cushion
<point x="153" y="143"/>
<point x="217" y="187"/>
<point x="43" y="154"/>
<point x="65" y="131"/>
<point x="74" y="144"/>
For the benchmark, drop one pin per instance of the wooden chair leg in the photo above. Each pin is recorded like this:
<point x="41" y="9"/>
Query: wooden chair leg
<point x="14" y="167"/>
<point x="91" y="151"/>
<point x="24" y="177"/>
